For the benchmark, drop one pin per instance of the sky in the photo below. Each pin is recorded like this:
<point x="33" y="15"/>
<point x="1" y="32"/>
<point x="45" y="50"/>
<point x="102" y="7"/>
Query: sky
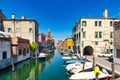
<point x="59" y="16"/>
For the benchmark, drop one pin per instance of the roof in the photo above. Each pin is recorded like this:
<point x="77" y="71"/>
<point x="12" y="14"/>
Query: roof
<point x="19" y="19"/>
<point x="98" y="18"/>
<point x="2" y="15"/>
<point x="4" y="35"/>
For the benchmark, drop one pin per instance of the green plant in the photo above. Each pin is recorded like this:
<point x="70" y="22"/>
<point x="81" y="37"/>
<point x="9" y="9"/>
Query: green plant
<point x="33" y="47"/>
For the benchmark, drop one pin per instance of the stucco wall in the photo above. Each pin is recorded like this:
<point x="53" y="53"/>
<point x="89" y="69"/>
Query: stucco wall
<point x="5" y="46"/>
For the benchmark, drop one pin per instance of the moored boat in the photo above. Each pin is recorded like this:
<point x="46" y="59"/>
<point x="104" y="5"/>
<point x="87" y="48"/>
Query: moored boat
<point x="91" y="76"/>
<point x="78" y="67"/>
<point x="42" y="56"/>
<point x="73" y="61"/>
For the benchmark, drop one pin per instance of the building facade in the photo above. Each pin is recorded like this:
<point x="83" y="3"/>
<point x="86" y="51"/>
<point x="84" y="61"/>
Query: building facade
<point x="21" y="27"/>
<point x="42" y="42"/>
<point x="20" y="49"/>
<point x="2" y="16"/>
<point x="94" y="35"/>
<point x="50" y="41"/>
<point x="46" y="42"/>
<point x="5" y="50"/>
<point x="68" y="43"/>
<point x="117" y="38"/>
<point x="60" y="44"/>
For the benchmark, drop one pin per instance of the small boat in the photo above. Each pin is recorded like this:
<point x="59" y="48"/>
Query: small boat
<point x="78" y="67"/>
<point x="91" y="76"/>
<point x="42" y="56"/>
<point x="65" y="58"/>
<point x="74" y="65"/>
<point x="73" y="61"/>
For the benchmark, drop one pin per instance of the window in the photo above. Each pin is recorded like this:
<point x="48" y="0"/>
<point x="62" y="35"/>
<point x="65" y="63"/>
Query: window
<point x="69" y="47"/>
<point x="84" y="23"/>
<point x="9" y="30"/>
<point x="111" y="23"/>
<point x="20" y="51"/>
<point x="4" y="30"/>
<point x="96" y="43"/>
<point x="95" y="23"/>
<point x="16" y="22"/>
<point x="111" y="50"/>
<point x="111" y="43"/>
<point x="18" y="30"/>
<point x="30" y="30"/>
<point x="27" y="50"/>
<point x="24" y="52"/>
<point x="111" y="34"/>
<point x="84" y="34"/>
<point x="4" y="55"/>
<point x="2" y="44"/>
<point x="30" y="21"/>
<point x="79" y="34"/>
<point x="100" y="23"/>
<point x="98" y="34"/>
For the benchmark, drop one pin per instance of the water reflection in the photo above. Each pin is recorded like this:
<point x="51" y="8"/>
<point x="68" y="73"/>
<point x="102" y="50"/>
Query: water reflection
<point x="34" y="69"/>
<point x="26" y="71"/>
<point x="41" y="66"/>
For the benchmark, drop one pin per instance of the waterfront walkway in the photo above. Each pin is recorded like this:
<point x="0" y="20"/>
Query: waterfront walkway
<point x="105" y="64"/>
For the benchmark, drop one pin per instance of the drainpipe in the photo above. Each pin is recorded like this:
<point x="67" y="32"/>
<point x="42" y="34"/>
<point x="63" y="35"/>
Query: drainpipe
<point x="12" y="62"/>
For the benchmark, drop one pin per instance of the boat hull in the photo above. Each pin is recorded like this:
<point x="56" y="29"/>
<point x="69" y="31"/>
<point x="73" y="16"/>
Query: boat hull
<point x="42" y="58"/>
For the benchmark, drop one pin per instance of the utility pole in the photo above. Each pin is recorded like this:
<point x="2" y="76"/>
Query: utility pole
<point x="113" y="69"/>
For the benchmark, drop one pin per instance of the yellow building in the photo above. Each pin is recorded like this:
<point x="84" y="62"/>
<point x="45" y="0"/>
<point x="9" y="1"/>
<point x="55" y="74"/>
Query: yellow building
<point x="68" y="43"/>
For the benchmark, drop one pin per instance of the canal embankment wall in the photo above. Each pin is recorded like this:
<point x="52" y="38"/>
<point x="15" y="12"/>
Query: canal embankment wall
<point x="105" y="64"/>
<point x="6" y="63"/>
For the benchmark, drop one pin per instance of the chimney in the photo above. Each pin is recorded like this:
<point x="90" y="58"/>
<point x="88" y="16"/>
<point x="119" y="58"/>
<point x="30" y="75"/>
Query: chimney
<point x="105" y="13"/>
<point x="13" y="16"/>
<point x="23" y="17"/>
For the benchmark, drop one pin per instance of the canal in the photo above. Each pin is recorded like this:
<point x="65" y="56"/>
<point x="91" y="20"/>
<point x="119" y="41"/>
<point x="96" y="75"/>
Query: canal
<point x="51" y="69"/>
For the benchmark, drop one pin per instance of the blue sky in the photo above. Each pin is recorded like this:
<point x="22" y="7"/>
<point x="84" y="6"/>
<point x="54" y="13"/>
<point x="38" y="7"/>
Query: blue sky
<point x="59" y="15"/>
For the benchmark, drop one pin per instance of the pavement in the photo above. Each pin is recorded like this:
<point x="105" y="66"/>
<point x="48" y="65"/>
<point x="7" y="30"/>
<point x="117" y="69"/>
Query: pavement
<point x="105" y="64"/>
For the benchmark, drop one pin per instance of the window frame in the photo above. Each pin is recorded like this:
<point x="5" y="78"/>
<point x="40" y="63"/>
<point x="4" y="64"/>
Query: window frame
<point x="9" y="30"/>
<point x="100" y="23"/>
<point x="18" y="30"/>
<point x="4" y="55"/>
<point x="84" y="23"/>
<point x="111" y="23"/>
<point x="96" y="42"/>
<point x="111" y="34"/>
<point x="98" y="34"/>
<point x="84" y="34"/>
<point x="30" y="30"/>
<point x="96" y="23"/>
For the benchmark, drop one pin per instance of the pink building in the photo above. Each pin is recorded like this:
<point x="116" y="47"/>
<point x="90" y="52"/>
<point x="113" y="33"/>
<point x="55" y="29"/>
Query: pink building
<point x="20" y="48"/>
<point x="41" y="42"/>
<point x="41" y="37"/>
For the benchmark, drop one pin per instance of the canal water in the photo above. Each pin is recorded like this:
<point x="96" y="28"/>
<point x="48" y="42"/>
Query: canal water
<point x="51" y="69"/>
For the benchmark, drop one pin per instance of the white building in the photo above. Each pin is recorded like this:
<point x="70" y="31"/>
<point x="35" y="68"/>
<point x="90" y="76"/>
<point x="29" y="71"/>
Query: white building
<point x="94" y="35"/>
<point x="5" y="50"/>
